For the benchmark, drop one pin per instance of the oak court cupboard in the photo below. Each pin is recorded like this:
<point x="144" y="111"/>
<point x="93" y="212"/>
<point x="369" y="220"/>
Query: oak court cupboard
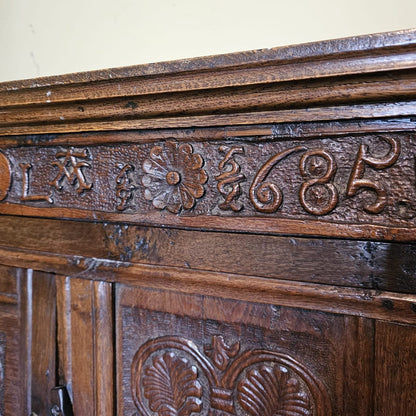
<point x="230" y="235"/>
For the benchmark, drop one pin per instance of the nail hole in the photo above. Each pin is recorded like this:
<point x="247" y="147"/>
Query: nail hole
<point x="388" y="304"/>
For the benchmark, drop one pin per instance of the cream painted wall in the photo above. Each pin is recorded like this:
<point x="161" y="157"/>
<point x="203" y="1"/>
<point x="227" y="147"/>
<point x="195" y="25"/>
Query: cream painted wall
<point x="49" y="37"/>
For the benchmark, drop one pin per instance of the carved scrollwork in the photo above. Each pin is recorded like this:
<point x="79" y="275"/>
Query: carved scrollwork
<point x="230" y="178"/>
<point x="317" y="195"/>
<point x="259" y="382"/>
<point x="125" y="188"/>
<point x="267" y="196"/>
<point x="356" y="181"/>
<point x="220" y="352"/>
<point x="174" y="177"/>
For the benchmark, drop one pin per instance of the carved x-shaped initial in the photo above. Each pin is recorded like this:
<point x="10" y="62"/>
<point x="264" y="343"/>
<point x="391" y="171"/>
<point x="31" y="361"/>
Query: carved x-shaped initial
<point x="70" y="168"/>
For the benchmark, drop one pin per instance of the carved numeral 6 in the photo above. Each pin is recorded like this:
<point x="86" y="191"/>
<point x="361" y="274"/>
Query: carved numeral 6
<point x="266" y="196"/>
<point x="317" y="195"/>
<point x="356" y="182"/>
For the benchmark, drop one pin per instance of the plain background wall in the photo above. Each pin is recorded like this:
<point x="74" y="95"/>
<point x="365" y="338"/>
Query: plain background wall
<point x="50" y="37"/>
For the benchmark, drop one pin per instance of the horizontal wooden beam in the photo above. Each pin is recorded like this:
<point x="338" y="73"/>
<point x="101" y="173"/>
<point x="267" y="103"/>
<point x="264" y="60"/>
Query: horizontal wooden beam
<point x="375" y="304"/>
<point x="255" y="87"/>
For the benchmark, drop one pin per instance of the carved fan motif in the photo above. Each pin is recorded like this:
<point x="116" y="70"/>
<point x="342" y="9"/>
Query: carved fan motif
<point x="270" y="391"/>
<point x="250" y="383"/>
<point x="170" y="384"/>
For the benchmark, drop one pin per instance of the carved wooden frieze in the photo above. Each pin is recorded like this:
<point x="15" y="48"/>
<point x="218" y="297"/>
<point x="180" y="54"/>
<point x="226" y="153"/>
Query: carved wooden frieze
<point x="359" y="185"/>
<point x="171" y="376"/>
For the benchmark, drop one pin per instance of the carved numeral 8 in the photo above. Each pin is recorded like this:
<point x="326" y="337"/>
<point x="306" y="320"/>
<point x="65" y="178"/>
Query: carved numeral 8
<point x="317" y="195"/>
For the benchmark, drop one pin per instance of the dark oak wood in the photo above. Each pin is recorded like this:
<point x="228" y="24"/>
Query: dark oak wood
<point x="237" y="82"/>
<point x="231" y="235"/>
<point x="43" y="339"/>
<point x="354" y="263"/>
<point x="85" y="346"/>
<point x="355" y="186"/>
<point x="168" y="319"/>
<point x="27" y="341"/>
<point x="395" y="376"/>
<point x="14" y="392"/>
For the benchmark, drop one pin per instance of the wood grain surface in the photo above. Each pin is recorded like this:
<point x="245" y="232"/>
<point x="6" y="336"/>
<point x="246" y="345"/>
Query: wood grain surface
<point x="85" y="346"/>
<point x="149" y="320"/>
<point x="230" y="235"/>
<point x="376" y="68"/>
<point x="357" y="185"/>
<point x="348" y="263"/>
<point x="396" y="370"/>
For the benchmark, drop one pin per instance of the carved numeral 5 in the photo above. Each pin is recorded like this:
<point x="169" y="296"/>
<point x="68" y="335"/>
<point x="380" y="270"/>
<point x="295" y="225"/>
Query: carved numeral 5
<point x="356" y="181"/>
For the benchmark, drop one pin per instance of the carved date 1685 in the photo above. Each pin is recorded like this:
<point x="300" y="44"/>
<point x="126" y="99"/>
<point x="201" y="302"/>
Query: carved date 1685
<point x="340" y="178"/>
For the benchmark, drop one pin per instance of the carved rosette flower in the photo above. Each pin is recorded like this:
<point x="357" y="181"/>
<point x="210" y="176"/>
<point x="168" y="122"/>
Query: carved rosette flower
<point x="174" y="177"/>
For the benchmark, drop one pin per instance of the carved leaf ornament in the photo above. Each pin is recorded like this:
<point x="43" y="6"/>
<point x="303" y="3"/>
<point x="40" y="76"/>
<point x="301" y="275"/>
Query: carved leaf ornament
<point x="271" y="391"/>
<point x="255" y="382"/>
<point x="171" y="386"/>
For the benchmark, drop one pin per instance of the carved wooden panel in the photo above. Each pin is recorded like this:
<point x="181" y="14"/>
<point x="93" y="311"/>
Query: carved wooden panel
<point x="359" y="185"/>
<point x="259" y="382"/>
<point x="196" y="355"/>
<point x="237" y="196"/>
